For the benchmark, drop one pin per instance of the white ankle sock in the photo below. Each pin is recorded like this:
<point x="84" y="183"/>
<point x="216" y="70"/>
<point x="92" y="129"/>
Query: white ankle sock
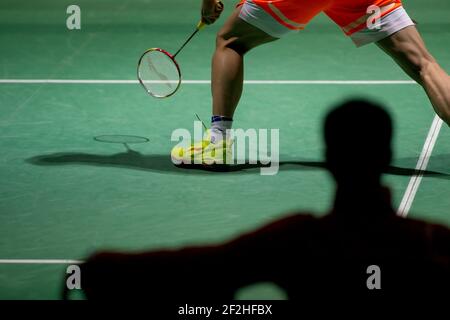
<point x="219" y="126"/>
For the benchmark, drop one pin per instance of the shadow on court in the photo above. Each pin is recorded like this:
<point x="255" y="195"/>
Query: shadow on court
<point x="310" y="258"/>
<point x="162" y="163"/>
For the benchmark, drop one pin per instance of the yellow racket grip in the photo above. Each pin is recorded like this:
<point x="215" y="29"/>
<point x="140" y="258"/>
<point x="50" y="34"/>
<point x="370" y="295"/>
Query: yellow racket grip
<point x="201" y="25"/>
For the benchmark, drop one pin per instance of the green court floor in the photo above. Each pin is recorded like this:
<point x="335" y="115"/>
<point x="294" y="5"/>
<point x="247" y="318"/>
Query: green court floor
<point x="64" y="195"/>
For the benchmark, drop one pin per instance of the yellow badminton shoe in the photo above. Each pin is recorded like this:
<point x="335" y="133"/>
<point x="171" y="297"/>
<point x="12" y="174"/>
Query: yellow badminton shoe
<point x="204" y="153"/>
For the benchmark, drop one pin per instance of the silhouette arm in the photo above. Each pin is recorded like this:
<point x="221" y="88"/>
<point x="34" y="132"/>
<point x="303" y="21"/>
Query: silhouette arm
<point x="206" y="272"/>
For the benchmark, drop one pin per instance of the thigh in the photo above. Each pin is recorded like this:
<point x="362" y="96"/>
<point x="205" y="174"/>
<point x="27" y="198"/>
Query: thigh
<point x="241" y="35"/>
<point x="406" y="45"/>
<point x="407" y="48"/>
<point x="281" y="17"/>
<point x="368" y="21"/>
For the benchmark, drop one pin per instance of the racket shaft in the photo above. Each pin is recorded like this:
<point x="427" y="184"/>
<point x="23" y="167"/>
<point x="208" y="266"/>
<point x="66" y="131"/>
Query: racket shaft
<point x="186" y="42"/>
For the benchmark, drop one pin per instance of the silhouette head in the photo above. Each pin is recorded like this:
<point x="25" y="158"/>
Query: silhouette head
<point x="358" y="142"/>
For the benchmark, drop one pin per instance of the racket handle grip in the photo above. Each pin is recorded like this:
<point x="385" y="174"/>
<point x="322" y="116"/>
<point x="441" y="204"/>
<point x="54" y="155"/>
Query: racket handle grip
<point x="201" y="25"/>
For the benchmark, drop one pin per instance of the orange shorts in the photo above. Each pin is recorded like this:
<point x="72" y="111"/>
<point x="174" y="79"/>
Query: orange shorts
<point x="350" y="15"/>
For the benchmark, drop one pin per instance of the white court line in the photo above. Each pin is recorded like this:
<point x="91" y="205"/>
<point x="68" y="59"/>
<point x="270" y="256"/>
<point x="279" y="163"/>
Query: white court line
<point x="422" y="164"/>
<point x="39" y="261"/>
<point x="97" y="81"/>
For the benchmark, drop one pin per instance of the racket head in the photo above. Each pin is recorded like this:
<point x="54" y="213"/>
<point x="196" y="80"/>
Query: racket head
<point x="159" y="73"/>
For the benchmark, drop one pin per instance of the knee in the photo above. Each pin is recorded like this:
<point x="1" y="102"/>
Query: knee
<point x="421" y="64"/>
<point x="425" y="65"/>
<point x="221" y="39"/>
<point x="227" y="41"/>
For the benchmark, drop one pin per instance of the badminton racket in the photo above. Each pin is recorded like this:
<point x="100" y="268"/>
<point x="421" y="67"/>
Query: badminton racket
<point x="158" y="71"/>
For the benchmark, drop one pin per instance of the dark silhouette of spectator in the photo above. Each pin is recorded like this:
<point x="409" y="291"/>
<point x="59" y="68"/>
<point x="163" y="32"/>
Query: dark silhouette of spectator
<point x="302" y="254"/>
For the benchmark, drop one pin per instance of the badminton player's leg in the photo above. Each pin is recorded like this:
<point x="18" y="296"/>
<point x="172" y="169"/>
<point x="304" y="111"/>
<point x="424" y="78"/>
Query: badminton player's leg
<point x="252" y="23"/>
<point x="397" y="35"/>
<point x="235" y="39"/>
<point x="407" y="48"/>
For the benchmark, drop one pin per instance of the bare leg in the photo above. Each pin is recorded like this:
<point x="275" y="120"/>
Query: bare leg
<point x="407" y="48"/>
<point x="234" y="39"/>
